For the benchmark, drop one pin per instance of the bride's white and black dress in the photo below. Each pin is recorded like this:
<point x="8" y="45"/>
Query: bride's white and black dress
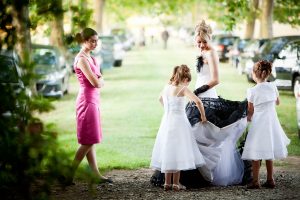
<point x="216" y="139"/>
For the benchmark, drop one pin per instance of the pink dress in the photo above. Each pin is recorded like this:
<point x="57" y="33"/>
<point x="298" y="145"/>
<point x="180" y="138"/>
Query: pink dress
<point x="87" y="107"/>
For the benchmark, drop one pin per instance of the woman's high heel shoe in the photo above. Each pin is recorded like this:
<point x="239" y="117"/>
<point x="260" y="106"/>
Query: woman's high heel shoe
<point x="105" y="180"/>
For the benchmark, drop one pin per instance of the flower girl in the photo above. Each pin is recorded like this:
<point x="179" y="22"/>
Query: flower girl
<point x="175" y="148"/>
<point x="266" y="139"/>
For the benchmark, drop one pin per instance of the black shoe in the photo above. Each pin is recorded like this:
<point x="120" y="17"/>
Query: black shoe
<point x="105" y="180"/>
<point x="269" y="184"/>
<point x="66" y="181"/>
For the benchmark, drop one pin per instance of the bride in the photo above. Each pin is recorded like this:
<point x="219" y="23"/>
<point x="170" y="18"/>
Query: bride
<point x="216" y="140"/>
<point x="227" y="121"/>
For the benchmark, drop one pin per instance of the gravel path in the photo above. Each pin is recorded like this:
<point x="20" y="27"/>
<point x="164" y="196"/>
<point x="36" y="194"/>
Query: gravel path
<point x="134" y="184"/>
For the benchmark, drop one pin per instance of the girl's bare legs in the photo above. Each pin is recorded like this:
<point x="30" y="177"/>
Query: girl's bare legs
<point x="255" y="170"/>
<point x="176" y="177"/>
<point x="91" y="157"/>
<point x="167" y="185"/>
<point x="270" y="180"/>
<point x="176" y="185"/>
<point x="269" y="164"/>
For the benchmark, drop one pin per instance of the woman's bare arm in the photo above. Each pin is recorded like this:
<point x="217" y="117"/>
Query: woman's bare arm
<point x="213" y="63"/>
<point x="89" y="74"/>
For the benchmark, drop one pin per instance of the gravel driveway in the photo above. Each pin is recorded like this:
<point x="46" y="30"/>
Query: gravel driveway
<point x="134" y="184"/>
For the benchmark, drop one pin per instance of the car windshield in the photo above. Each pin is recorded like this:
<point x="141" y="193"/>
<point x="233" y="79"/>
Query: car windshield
<point x="44" y="57"/>
<point x="8" y="72"/>
<point x="273" y="46"/>
<point x="242" y="44"/>
<point x="224" y="40"/>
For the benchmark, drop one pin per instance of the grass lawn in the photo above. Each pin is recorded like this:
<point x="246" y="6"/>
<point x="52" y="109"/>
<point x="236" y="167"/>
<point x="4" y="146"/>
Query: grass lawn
<point x="131" y="112"/>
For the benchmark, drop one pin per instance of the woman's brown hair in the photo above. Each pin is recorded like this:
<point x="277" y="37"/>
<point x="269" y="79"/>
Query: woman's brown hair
<point x="180" y="73"/>
<point x="85" y="35"/>
<point x="262" y="69"/>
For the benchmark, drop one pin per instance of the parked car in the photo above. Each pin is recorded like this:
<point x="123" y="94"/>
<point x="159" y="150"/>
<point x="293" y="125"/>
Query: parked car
<point x="52" y="69"/>
<point x="298" y="110"/>
<point x="236" y="50"/>
<point x="287" y="66"/>
<point x="223" y="43"/>
<point x="110" y="41"/>
<point x="269" y="51"/>
<point x="126" y="38"/>
<point x="250" y="50"/>
<point x="10" y="81"/>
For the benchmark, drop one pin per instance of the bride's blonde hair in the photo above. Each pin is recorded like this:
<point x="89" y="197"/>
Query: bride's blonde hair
<point x="203" y="30"/>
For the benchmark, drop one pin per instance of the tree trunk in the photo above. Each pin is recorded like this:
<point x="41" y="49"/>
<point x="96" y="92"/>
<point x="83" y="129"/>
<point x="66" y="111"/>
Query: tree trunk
<point x="22" y="24"/>
<point x="98" y="15"/>
<point x="23" y="45"/>
<point x="250" y="21"/>
<point x="266" y="19"/>
<point x="57" y="26"/>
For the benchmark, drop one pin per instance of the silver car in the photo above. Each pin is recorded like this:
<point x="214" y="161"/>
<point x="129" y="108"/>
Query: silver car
<point x="52" y="70"/>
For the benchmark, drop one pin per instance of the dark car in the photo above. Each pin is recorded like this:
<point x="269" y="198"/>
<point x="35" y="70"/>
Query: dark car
<point x="287" y="66"/>
<point x="10" y="81"/>
<point x="269" y="51"/>
<point x="223" y="43"/>
<point x="52" y="69"/>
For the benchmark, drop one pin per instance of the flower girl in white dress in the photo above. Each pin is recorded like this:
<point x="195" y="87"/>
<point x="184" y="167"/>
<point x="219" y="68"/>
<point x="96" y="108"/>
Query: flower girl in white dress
<point x="175" y="147"/>
<point x="266" y="139"/>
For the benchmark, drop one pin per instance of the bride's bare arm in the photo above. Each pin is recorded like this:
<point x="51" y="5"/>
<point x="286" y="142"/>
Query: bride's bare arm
<point x="213" y="63"/>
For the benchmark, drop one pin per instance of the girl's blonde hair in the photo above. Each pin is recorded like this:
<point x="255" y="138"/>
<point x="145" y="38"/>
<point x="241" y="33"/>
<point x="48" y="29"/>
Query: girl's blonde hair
<point x="203" y="30"/>
<point x="180" y="73"/>
<point x="262" y="69"/>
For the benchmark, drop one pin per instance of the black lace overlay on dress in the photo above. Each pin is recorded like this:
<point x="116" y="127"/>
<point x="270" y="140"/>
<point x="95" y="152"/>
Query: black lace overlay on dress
<point x="219" y="111"/>
<point x="200" y="63"/>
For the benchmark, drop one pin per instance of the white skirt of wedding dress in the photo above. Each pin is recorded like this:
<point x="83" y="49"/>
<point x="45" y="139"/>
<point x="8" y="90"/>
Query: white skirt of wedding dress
<point x="218" y="147"/>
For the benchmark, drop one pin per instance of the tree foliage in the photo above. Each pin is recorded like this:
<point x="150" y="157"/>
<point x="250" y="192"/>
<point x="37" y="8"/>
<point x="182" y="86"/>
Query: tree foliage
<point x="287" y="11"/>
<point x="232" y="12"/>
<point x="30" y="159"/>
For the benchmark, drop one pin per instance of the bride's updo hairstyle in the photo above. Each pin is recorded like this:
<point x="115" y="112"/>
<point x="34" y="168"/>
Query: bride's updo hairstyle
<point x="180" y="73"/>
<point x="262" y="69"/>
<point x="203" y="30"/>
<point x="85" y="35"/>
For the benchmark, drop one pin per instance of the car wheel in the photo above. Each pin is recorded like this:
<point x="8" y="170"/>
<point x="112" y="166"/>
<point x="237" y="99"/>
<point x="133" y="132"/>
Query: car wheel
<point x="118" y="63"/>
<point x="249" y="78"/>
<point x="296" y="86"/>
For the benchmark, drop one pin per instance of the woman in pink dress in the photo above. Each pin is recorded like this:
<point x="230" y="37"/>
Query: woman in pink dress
<point x="89" y="130"/>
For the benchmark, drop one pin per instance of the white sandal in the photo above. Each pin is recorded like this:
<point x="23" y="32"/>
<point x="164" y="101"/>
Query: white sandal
<point x="178" y="187"/>
<point x="167" y="187"/>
